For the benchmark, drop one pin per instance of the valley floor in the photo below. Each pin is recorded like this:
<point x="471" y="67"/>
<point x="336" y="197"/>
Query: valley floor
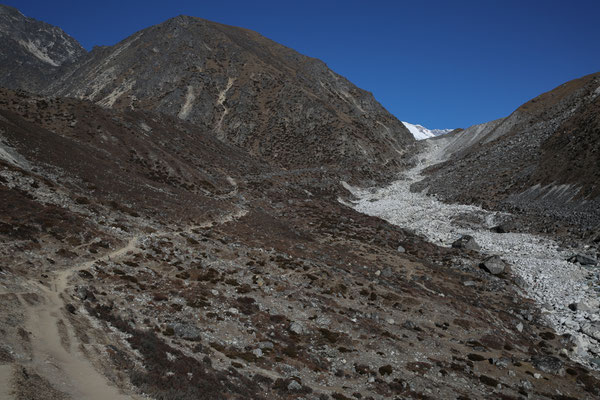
<point x="539" y="264"/>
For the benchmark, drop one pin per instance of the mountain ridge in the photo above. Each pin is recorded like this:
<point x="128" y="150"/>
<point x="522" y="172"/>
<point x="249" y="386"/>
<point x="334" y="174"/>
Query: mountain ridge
<point x="32" y="52"/>
<point x="284" y="107"/>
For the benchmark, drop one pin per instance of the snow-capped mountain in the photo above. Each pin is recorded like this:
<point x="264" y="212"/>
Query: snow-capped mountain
<point x="420" y="132"/>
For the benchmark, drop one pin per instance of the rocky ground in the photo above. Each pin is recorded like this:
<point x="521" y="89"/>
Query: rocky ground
<point x="540" y="163"/>
<point x="567" y="292"/>
<point x="259" y="285"/>
<point x="178" y="235"/>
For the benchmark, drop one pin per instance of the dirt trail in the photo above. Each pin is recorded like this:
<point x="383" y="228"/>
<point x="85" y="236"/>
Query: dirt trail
<point x="6" y="372"/>
<point x="65" y="366"/>
<point x="56" y="353"/>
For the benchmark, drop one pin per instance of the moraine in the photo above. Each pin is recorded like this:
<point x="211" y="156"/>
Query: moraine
<point x="539" y="263"/>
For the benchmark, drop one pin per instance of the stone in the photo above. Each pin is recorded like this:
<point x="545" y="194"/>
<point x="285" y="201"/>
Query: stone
<point x="525" y="384"/>
<point x="494" y="265"/>
<point x="591" y="329"/>
<point x="548" y="364"/>
<point x="294" y="386"/>
<point x="297" y="328"/>
<point x="408" y="324"/>
<point x="588" y="305"/>
<point x="84" y="293"/>
<point x="469" y="283"/>
<point x="387" y="272"/>
<point x="257" y="352"/>
<point x="323" y="321"/>
<point x="466" y="242"/>
<point x="71" y="308"/>
<point x="520" y="327"/>
<point x="85" y="274"/>
<point x="266" y="345"/>
<point x="187" y="331"/>
<point x="401" y="249"/>
<point x="504" y="227"/>
<point x="582" y="259"/>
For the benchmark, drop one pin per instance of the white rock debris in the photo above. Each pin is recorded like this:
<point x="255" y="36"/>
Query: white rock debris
<point x="548" y="278"/>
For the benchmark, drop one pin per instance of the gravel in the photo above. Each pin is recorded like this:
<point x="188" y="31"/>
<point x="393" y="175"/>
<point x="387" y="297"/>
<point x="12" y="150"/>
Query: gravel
<point x="538" y="262"/>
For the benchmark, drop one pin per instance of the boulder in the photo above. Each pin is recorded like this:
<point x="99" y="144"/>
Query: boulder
<point x="297" y="328"/>
<point x="187" y="331"/>
<point x="582" y="259"/>
<point x="466" y="242"/>
<point x="494" y="265"/>
<point x="591" y="329"/>
<point x="548" y="364"/>
<point x="504" y="227"/>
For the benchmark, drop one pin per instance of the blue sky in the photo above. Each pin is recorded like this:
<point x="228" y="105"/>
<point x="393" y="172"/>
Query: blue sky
<point x="443" y="64"/>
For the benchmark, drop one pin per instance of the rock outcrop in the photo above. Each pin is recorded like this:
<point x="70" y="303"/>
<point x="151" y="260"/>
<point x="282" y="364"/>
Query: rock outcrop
<point x="32" y="52"/>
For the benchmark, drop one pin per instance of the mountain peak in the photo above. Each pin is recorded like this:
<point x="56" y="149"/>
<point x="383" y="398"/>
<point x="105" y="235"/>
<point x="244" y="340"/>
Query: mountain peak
<point x="31" y="51"/>
<point x="421" y="133"/>
<point x="246" y="89"/>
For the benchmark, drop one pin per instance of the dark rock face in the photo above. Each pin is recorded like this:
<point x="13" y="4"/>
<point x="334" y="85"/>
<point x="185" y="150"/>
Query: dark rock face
<point x="466" y="242"/>
<point x="541" y="160"/>
<point x="32" y="52"/>
<point x="282" y="106"/>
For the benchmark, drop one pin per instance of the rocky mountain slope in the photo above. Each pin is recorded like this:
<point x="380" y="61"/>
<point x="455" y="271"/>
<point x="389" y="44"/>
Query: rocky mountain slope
<point x="31" y="51"/>
<point x="141" y="255"/>
<point x="542" y="160"/>
<point x="279" y="105"/>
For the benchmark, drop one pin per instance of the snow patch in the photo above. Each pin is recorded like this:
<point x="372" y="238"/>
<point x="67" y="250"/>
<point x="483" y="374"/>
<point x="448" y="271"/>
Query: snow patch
<point x="421" y="133"/>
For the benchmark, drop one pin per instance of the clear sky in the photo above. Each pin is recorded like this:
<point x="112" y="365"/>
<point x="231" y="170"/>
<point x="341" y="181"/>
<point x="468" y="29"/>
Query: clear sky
<point x="442" y="64"/>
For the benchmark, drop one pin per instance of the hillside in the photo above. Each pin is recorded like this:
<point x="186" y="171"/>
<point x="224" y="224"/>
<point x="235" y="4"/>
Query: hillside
<point x="541" y="160"/>
<point x="283" y="107"/>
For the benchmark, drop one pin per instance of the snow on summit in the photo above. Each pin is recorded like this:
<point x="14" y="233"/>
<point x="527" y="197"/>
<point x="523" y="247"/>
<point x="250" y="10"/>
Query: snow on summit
<point x="420" y="132"/>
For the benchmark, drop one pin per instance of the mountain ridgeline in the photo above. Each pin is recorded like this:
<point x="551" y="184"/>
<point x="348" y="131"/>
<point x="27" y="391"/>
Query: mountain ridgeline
<point x="283" y="107"/>
<point x="542" y="160"/>
<point x="32" y="52"/>
<point x="174" y="225"/>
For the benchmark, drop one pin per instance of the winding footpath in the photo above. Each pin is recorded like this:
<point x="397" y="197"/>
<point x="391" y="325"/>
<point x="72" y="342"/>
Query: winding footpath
<point x="55" y="347"/>
<point x="56" y="350"/>
<point x="547" y="277"/>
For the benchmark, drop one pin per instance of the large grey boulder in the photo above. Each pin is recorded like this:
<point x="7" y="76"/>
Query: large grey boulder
<point x="466" y="242"/>
<point x="583" y="259"/>
<point x="494" y="265"/>
<point x="548" y="364"/>
<point x="187" y="331"/>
